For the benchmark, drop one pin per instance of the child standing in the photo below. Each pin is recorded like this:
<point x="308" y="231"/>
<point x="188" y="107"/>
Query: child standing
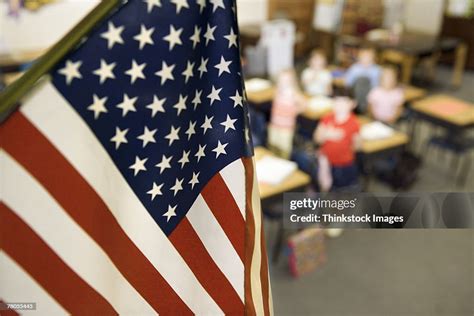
<point x="338" y="135"/>
<point x="287" y="104"/>
<point x="365" y="67"/>
<point x="316" y="78"/>
<point x="386" y="100"/>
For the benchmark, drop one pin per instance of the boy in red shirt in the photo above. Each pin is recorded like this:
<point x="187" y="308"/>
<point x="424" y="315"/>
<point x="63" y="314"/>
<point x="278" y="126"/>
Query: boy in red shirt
<point x="338" y="135"/>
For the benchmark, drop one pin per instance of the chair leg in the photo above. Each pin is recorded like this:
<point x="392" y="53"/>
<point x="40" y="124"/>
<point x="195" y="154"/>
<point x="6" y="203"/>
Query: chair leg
<point x="427" y="148"/>
<point x="277" y="248"/>
<point x="464" y="170"/>
<point x="455" y="162"/>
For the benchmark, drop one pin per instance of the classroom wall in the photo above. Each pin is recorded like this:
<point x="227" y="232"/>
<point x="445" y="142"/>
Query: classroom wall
<point x="40" y="29"/>
<point x="424" y="16"/>
<point x="418" y="15"/>
<point x="49" y="23"/>
<point x="252" y="11"/>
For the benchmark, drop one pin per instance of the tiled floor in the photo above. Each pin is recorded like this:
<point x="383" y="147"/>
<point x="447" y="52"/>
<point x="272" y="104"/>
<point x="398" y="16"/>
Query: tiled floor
<point x="388" y="272"/>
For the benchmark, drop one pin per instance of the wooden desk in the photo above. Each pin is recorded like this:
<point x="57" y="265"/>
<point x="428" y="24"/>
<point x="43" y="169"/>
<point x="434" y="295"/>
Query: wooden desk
<point x="398" y="139"/>
<point x="413" y="46"/>
<point x="295" y="181"/>
<point x="261" y="96"/>
<point x="462" y="119"/>
<point x="9" y="78"/>
<point x="413" y="93"/>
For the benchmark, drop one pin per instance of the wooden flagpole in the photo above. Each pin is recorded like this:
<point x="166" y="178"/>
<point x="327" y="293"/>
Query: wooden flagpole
<point x="10" y="97"/>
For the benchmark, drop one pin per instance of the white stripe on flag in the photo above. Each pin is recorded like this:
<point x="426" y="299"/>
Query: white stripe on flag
<point x="217" y="244"/>
<point x="52" y="115"/>
<point x="255" y="280"/>
<point x="234" y="178"/>
<point x="17" y="286"/>
<point x="68" y="240"/>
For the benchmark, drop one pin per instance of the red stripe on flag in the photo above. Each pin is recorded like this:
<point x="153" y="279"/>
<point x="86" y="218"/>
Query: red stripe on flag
<point x="249" y="236"/>
<point x="25" y="247"/>
<point x="32" y="150"/>
<point x="186" y="240"/>
<point x="222" y="204"/>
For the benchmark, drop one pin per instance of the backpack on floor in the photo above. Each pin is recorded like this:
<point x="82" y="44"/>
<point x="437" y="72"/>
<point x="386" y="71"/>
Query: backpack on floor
<point x="404" y="173"/>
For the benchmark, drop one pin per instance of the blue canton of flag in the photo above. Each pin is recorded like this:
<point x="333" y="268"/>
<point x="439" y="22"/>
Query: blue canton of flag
<point x="160" y="86"/>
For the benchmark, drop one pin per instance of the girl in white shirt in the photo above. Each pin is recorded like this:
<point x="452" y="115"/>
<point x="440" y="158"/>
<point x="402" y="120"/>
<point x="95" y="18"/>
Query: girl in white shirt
<point x="316" y="78"/>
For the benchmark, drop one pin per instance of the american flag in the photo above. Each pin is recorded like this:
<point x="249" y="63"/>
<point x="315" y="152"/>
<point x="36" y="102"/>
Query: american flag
<point x="128" y="183"/>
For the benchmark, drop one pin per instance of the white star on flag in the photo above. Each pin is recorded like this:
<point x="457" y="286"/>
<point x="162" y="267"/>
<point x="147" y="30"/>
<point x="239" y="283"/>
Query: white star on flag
<point x="188" y="72"/>
<point x="127" y="105"/>
<point x="155" y="190"/>
<point x="237" y="98"/>
<point x="139" y="165"/>
<point x="173" y="37"/>
<point x="191" y="130"/>
<point x="220" y="149"/>
<point x="197" y="98"/>
<point x="228" y="123"/>
<point x="207" y="124"/>
<point x="164" y="164"/>
<point x="113" y="35"/>
<point x="178" y="186"/>
<point x="145" y="36"/>
<point x="203" y="66"/>
<point x="148" y="136"/>
<point x="232" y="38"/>
<point x="156" y="106"/>
<point x="119" y="137"/>
<point x="184" y="159"/>
<point x="71" y="71"/>
<point x="214" y="95"/>
<point x="209" y="35"/>
<point x="217" y="4"/>
<point x="201" y="4"/>
<point x="194" y="180"/>
<point x="105" y="71"/>
<point x="151" y="4"/>
<point x="170" y="213"/>
<point x="136" y="71"/>
<point x="181" y="105"/>
<point x="173" y="135"/>
<point x="195" y="38"/>
<point x="223" y="66"/>
<point x="166" y="72"/>
<point x="180" y="4"/>
<point x="98" y="106"/>
<point x="200" y="152"/>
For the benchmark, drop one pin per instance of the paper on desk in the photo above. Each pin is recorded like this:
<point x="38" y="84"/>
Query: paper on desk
<point x="375" y="130"/>
<point x="257" y="84"/>
<point x="273" y="170"/>
<point x="320" y="104"/>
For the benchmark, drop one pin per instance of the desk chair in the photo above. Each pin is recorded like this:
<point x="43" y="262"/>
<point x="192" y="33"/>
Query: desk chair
<point x="258" y="127"/>
<point x="360" y="90"/>
<point x="459" y="146"/>
<point x="2" y="81"/>
<point x="274" y="212"/>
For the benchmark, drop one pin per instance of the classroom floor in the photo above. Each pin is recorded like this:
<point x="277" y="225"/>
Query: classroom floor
<point x="390" y="272"/>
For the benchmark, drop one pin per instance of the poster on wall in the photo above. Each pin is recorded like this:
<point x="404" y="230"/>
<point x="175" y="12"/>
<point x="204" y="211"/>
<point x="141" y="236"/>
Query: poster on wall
<point x="460" y="8"/>
<point x="328" y="15"/>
